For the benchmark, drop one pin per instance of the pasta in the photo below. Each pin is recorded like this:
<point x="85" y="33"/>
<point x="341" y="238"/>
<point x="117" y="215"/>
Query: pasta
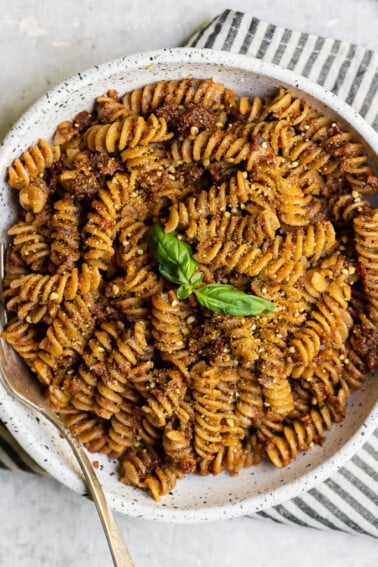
<point x="30" y="165"/>
<point x="269" y="194"/>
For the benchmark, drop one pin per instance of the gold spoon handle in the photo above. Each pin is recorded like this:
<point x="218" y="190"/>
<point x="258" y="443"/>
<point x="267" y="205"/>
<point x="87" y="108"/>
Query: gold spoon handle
<point x="120" y="553"/>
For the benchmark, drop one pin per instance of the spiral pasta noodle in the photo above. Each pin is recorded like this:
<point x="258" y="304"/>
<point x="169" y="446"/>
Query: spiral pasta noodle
<point x="163" y="400"/>
<point x="32" y="163"/>
<point x="221" y="146"/>
<point x="90" y="430"/>
<point x="24" y="339"/>
<point x="82" y="386"/>
<point x="65" y="234"/>
<point x="65" y="339"/>
<point x="281" y="449"/>
<point x="205" y="92"/>
<point x="102" y="219"/>
<point x="220" y="222"/>
<point x="276" y="388"/>
<point x="249" y="404"/>
<point x="269" y="194"/>
<point x="109" y="108"/>
<point x="31" y="290"/>
<point x="30" y="244"/>
<point x="130" y="132"/>
<point x="208" y="203"/>
<point x="140" y="468"/>
<point x="34" y="196"/>
<point x="168" y="327"/>
<point x="177" y="446"/>
<point x="366" y="237"/>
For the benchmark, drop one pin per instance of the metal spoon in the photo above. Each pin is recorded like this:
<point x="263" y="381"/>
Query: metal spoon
<point x="18" y="382"/>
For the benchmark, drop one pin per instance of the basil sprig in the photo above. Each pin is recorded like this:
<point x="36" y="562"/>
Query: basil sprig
<point x="177" y="265"/>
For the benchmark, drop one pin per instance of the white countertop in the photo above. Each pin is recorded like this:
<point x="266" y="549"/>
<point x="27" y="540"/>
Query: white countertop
<point x="41" y="522"/>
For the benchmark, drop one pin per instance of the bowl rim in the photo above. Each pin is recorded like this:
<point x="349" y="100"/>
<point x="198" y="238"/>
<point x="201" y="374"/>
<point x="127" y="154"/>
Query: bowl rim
<point x="248" y="64"/>
<point x="203" y="55"/>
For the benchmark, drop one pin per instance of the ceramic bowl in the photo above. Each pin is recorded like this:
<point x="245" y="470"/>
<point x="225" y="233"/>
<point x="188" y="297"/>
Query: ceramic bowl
<point x="194" y="498"/>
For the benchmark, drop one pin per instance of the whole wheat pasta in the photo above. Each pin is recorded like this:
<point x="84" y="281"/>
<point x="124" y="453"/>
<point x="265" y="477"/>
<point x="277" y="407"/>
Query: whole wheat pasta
<point x="269" y="194"/>
<point x="32" y="163"/>
<point x="30" y="245"/>
<point x="130" y="132"/>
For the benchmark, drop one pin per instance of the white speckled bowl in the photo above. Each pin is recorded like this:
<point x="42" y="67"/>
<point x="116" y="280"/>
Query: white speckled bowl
<point x="195" y="498"/>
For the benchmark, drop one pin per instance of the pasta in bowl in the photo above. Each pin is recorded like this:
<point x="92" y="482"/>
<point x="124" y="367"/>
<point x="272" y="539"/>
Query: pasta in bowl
<point x="193" y="279"/>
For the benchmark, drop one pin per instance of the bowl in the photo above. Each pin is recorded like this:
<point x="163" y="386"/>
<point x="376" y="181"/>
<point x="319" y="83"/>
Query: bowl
<point x="195" y="498"/>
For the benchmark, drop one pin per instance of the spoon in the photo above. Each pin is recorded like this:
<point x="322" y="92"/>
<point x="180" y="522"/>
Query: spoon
<point x="20" y="385"/>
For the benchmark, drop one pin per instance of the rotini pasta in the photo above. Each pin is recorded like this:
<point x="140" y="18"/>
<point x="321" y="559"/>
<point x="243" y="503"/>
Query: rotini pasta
<point x="102" y="219"/>
<point x="30" y="245"/>
<point x="31" y="164"/>
<point x="269" y="196"/>
<point x="207" y="93"/>
<point x="65" y="234"/>
<point x="130" y="132"/>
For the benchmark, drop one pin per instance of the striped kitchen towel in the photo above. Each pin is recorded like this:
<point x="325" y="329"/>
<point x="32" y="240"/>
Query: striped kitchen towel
<point x="349" y="500"/>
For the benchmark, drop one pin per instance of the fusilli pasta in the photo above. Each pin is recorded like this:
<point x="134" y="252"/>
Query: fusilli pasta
<point x="270" y="196"/>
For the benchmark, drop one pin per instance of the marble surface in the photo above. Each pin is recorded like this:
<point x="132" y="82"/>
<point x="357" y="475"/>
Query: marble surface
<point x="41" y="522"/>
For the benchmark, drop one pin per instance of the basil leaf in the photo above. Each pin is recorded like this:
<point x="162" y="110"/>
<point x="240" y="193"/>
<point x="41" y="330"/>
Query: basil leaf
<point x="184" y="291"/>
<point x="177" y="265"/>
<point x="227" y="299"/>
<point x="173" y="255"/>
<point x="196" y="279"/>
<point x="172" y="273"/>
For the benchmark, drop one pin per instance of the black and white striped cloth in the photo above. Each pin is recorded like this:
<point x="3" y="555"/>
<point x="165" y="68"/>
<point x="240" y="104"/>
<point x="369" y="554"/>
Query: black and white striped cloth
<point x="349" y="500"/>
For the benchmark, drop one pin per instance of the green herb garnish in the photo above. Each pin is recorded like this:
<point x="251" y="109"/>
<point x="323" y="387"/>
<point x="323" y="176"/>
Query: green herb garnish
<point x="177" y="265"/>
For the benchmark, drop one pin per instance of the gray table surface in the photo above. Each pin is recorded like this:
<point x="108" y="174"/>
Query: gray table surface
<point x="41" y="522"/>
